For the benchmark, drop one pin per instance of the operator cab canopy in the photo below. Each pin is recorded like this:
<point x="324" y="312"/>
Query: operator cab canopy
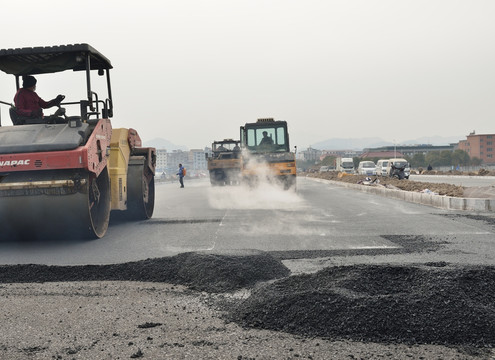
<point x="54" y="59"/>
<point x="51" y="59"/>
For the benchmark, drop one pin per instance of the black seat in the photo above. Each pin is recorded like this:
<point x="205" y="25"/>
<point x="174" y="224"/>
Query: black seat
<point x="23" y="120"/>
<point x="15" y="117"/>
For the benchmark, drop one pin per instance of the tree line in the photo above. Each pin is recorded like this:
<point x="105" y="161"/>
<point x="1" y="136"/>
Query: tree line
<point x="443" y="158"/>
<point x="436" y="158"/>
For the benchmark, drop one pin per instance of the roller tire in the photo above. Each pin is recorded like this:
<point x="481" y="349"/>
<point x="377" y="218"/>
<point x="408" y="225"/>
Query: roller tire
<point x="140" y="191"/>
<point x="99" y="203"/>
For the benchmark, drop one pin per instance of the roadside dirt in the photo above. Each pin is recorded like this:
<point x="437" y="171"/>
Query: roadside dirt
<point x="393" y="183"/>
<point x="434" y="310"/>
<point x="480" y="172"/>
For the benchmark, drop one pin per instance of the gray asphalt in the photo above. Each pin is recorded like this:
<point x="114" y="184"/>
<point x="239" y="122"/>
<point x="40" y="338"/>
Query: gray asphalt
<point x="318" y="221"/>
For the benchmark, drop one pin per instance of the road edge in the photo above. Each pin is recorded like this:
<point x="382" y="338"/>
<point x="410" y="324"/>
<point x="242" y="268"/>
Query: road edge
<point x="438" y="201"/>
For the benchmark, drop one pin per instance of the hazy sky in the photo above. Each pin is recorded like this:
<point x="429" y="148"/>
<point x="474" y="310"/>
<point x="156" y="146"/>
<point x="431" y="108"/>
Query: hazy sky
<point x="193" y="71"/>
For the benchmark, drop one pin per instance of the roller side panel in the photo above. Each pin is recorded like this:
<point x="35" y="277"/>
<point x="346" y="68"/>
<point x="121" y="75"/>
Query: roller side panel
<point x="57" y="193"/>
<point x="91" y="156"/>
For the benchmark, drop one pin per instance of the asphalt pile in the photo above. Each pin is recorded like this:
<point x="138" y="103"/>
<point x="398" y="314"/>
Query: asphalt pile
<point x="432" y="304"/>
<point x="198" y="271"/>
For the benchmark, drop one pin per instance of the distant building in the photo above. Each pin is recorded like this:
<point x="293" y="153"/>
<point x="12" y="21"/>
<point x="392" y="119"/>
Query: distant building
<point x="208" y="151"/>
<point x="161" y="161"/>
<point x="197" y="159"/>
<point x="309" y="154"/>
<point x="175" y="158"/>
<point x="480" y="146"/>
<point x="340" y="153"/>
<point x="410" y="150"/>
<point x="382" y="154"/>
<point x="315" y="155"/>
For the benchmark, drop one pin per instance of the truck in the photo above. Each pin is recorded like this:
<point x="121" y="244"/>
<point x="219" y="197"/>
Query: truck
<point x="63" y="175"/>
<point x="224" y="164"/>
<point x="266" y="154"/>
<point x="344" y="165"/>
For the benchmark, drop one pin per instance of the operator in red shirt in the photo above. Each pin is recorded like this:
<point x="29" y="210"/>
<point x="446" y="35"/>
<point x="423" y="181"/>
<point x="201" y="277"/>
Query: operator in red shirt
<point x="28" y="104"/>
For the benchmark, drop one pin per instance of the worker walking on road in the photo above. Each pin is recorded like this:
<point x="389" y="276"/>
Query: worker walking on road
<point x="181" y="175"/>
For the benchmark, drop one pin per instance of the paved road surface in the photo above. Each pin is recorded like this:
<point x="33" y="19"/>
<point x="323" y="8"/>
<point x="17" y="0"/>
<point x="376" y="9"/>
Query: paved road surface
<point x="319" y="220"/>
<point x="321" y="225"/>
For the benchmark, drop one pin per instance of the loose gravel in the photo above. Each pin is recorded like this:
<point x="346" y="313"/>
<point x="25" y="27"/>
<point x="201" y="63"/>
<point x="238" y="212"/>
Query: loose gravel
<point x="198" y="271"/>
<point x="246" y="307"/>
<point x="432" y="304"/>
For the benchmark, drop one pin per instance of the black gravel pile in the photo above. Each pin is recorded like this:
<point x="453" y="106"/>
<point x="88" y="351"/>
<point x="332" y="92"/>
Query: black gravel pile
<point x="433" y="304"/>
<point x="199" y="271"/>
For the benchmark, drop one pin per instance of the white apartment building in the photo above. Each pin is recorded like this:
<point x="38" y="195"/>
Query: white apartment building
<point x="161" y="161"/>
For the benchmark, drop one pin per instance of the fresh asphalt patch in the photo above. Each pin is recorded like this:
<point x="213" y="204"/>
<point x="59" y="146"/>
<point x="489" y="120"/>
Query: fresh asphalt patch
<point x="432" y="303"/>
<point x="489" y="220"/>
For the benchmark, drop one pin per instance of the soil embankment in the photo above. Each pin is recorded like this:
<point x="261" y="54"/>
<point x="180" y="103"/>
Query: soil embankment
<point x="393" y="183"/>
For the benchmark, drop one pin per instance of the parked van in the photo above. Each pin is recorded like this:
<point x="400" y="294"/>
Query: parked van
<point x="381" y="167"/>
<point x="398" y="162"/>
<point x="366" y="168"/>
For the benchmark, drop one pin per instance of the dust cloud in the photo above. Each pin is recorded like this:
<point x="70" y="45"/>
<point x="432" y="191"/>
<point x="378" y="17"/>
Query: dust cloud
<point x="278" y="212"/>
<point x="261" y="206"/>
<point x="264" y="195"/>
<point x="259" y="189"/>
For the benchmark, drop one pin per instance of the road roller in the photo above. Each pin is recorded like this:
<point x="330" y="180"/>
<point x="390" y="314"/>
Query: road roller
<point x="266" y="154"/>
<point x="66" y="174"/>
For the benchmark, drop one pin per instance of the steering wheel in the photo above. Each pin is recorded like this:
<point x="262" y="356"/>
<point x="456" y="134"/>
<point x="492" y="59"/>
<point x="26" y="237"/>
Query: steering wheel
<point x="54" y="118"/>
<point x="60" y="111"/>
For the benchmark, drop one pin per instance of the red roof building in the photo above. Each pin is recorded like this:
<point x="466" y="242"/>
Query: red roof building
<point x="382" y="154"/>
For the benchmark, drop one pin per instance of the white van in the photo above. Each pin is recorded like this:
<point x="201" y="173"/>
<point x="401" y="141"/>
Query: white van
<point x="366" y="168"/>
<point x="381" y="167"/>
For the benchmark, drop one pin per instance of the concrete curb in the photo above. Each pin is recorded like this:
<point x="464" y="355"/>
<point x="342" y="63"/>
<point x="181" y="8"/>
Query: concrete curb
<point x="438" y="201"/>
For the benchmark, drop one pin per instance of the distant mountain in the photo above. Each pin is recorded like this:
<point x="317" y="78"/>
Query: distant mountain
<point x="160" y="143"/>
<point x="359" y="144"/>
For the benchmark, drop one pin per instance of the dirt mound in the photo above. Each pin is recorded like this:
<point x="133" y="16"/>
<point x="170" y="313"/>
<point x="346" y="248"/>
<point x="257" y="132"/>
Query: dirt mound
<point x="435" y="304"/>
<point x="480" y="172"/>
<point x="406" y="185"/>
<point x="199" y="271"/>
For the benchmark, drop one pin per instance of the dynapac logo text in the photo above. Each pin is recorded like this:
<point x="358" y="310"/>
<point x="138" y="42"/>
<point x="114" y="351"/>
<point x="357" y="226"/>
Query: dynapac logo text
<point x="15" y="162"/>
